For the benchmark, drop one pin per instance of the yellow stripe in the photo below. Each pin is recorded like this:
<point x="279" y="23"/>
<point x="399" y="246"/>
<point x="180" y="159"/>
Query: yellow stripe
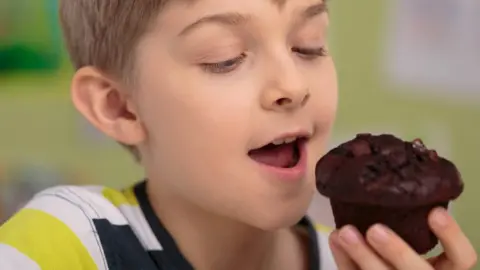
<point x="323" y="228"/>
<point x="118" y="198"/>
<point x="46" y="240"/>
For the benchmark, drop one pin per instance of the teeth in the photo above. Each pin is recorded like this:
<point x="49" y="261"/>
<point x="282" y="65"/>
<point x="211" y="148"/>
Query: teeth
<point x="291" y="139"/>
<point x="278" y="142"/>
<point x="285" y="140"/>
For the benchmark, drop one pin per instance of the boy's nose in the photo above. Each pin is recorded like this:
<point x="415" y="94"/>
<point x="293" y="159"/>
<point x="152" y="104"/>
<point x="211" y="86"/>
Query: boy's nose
<point x="288" y="93"/>
<point x="285" y="100"/>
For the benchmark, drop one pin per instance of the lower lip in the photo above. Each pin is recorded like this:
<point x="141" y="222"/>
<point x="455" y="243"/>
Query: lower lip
<point x="292" y="174"/>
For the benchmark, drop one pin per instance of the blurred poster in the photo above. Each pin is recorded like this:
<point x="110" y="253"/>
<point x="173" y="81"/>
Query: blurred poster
<point x="433" y="45"/>
<point x="27" y="48"/>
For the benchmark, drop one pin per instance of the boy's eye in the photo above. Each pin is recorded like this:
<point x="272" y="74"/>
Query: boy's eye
<point x="224" y="66"/>
<point x="310" y="53"/>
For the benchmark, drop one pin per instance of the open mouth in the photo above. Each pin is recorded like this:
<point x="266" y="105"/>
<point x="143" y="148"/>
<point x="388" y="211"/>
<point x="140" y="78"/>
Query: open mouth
<point x="281" y="154"/>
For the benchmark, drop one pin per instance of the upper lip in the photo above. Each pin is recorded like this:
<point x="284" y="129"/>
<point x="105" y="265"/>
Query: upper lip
<point x="303" y="134"/>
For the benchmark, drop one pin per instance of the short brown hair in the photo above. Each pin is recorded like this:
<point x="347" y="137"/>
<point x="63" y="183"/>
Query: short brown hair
<point x="103" y="33"/>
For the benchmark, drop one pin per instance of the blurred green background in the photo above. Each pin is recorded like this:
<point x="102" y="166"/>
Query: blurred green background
<point x="40" y="129"/>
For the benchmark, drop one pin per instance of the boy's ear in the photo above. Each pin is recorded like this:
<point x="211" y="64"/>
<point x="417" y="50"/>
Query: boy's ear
<point x="101" y="100"/>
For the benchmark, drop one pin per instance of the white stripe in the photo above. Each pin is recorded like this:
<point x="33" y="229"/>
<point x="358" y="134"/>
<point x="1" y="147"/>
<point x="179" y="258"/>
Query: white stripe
<point x="123" y="215"/>
<point x="94" y="189"/>
<point x="100" y="207"/>
<point x="326" y="257"/>
<point x="135" y="218"/>
<point x="140" y="226"/>
<point x="76" y="214"/>
<point x="12" y="259"/>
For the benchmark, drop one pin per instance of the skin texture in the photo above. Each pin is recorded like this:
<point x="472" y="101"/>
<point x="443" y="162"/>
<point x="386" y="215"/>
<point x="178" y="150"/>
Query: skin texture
<point x="194" y="123"/>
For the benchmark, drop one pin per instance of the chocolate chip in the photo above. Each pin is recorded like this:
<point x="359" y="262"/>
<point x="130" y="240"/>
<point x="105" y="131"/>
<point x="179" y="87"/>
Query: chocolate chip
<point x="397" y="159"/>
<point x="361" y="148"/>
<point x="433" y="155"/>
<point x="419" y="145"/>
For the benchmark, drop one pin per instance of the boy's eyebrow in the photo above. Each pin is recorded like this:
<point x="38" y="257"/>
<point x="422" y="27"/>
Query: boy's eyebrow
<point x="234" y="18"/>
<point x="314" y="10"/>
<point x="230" y="18"/>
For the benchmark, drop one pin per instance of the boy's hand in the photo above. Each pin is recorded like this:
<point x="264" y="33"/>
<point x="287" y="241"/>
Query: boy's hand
<point x="384" y="250"/>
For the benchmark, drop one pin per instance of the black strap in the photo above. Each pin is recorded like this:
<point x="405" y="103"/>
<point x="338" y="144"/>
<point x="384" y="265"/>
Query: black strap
<point x="170" y="257"/>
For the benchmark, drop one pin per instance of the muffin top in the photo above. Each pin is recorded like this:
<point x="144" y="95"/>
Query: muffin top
<point x="387" y="171"/>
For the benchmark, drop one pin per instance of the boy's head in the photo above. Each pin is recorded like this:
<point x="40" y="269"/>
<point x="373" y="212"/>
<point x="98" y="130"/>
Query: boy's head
<point x="197" y="86"/>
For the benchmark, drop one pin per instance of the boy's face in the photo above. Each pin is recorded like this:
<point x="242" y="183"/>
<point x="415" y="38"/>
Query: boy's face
<point x="220" y="78"/>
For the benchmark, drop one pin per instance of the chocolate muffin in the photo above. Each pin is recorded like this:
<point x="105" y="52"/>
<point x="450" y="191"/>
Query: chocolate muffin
<point x="383" y="179"/>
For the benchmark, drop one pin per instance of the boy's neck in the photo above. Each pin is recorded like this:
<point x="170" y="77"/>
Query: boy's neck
<point x="211" y="242"/>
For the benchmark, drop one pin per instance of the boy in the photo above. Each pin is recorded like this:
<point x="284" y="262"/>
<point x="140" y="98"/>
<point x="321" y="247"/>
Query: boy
<point x="227" y="105"/>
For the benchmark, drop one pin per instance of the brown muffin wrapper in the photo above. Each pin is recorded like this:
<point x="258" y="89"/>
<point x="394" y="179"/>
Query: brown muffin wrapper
<point x="411" y="224"/>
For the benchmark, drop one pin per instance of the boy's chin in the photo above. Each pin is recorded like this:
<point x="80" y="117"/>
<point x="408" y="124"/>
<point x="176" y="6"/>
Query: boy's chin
<point x="276" y="223"/>
<point x="274" y="220"/>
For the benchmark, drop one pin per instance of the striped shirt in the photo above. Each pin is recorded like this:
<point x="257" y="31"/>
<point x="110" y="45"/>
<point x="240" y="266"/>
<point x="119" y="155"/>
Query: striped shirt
<point x="86" y="228"/>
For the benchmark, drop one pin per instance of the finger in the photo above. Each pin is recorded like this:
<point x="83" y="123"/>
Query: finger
<point x="394" y="250"/>
<point x="441" y="262"/>
<point x="357" y="249"/>
<point x="342" y="259"/>
<point x="435" y="260"/>
<point x="459" y="252"/>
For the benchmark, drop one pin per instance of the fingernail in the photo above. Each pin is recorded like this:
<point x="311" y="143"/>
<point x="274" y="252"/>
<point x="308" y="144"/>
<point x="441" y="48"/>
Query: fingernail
<point x="348" y="235"/>
<point x="379" y="234"/>
<point x="440" y="217"/>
